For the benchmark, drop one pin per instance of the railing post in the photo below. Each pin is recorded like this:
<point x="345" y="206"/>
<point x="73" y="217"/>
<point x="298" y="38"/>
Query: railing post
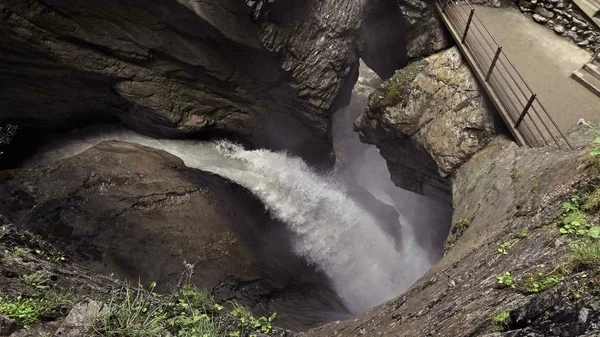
<point x="444" y="5"/>
<point x="468" y="24"/>
<point x="487" y="77"/>
<point x="527" y="106"/>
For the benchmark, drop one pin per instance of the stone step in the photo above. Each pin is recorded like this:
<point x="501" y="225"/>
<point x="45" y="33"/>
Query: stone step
<point x="587" y="80"/>
<point x="597" y="59"/>
<point x="593" y="69"/>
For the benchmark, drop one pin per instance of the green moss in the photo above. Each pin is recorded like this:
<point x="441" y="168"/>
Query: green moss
<point x="397" y="86"/>
<point x="501" y="318"/>
<point x="455" y="233"/>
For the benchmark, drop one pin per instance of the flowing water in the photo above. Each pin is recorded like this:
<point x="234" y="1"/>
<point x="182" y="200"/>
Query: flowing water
<point x="330" y="229"/>
<point x="367" y="261"/>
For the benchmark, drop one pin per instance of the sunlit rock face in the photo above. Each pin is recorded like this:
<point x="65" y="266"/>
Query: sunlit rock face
<point x="428" y="120"/>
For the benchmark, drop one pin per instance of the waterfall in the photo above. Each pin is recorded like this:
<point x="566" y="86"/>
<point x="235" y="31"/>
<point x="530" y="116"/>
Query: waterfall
<point x="330" y="230"/>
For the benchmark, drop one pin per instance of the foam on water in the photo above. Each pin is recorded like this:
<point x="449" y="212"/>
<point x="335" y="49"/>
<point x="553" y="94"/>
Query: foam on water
<point x="330" y="229"/>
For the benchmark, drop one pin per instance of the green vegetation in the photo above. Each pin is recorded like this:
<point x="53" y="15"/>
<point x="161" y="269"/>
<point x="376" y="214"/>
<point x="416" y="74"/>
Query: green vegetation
<point x="506" y="280"/>
<point x="247" y="322"/>
<point x="397" y="85"/>
<point x="35" y="280"/>
<point x="504" y="248"/>
<point x="515" y="174"/>
<point x="133" y="315"/>
<point x="523" y="234"/>
<point x="584" y="255"/>
<point x="501" y="318"/>
<point x="539" y="282"/>
<point x="455" y="233"/>
<point x="188" y="312"/>
<point x="27" y="310"/>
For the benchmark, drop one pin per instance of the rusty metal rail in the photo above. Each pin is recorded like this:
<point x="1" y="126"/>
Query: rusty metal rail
<point x="519" y="106"/>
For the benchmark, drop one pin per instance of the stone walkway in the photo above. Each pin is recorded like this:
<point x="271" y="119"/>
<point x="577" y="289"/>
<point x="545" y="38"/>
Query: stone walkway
<point x="546" y="61"/>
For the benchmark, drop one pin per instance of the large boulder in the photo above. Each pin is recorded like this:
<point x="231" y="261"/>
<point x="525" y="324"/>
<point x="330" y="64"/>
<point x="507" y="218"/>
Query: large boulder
<point x="140" y="213"/>
<point x="425" y="31"/>
<point x="428" y="120"/>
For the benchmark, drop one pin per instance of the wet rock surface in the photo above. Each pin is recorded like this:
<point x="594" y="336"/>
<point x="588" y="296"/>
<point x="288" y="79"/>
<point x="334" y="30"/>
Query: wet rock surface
<point x="178" y="68"/>
<point x="503" y="190"/>
<point x="140" y="213"/>
<point x="426" y="33"/>
<point x="428" y="120"/>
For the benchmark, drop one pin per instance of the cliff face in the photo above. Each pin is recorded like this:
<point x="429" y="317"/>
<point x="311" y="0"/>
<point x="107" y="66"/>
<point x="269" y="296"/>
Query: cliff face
<point x="503" y="195"/>
<point x="522" y="255"/>
<point x="179" y="68"/>
<point x="427" y="120"/>
<point x="140" y="213"/>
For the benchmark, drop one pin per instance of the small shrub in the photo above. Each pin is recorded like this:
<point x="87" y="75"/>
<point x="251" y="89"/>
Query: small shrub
<point x="247" y="323"/>
<point x="584" y="255"/>
<point x="36" y="280"/>
<point x="506" y="280"/>
<point x="539" y="282"/>
<point x="501" y="318"/>
<point x="504" y="248"/>
<point x="455" y="233"/>
<point x="135" y="315"/>
<point x="27" y="311"/>
<point x="523" y="234"/>
<point x="190" y="317"/>
<point x="591" y="201"/>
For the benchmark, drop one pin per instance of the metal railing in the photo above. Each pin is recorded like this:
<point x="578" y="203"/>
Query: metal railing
<point x="523" y="112"/>
<point x="595" y="56"/>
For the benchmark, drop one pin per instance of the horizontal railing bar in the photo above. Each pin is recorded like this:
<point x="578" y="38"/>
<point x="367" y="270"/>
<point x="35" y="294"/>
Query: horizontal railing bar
<point x="501" y="74"/>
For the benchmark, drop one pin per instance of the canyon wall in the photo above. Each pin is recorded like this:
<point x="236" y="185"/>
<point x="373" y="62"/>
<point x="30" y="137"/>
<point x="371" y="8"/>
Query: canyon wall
<point x="513" y="264"/>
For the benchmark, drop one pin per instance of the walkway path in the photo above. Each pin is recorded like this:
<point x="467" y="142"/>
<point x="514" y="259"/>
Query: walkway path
<point x="546" y="61"/>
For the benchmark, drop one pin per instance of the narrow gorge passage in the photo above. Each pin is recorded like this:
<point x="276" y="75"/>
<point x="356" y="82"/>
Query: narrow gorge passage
<point x="369" y="257"/>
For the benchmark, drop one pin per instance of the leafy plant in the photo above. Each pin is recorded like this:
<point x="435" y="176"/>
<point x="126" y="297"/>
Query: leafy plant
<point x="523" y="234"/>
<point x="26" y="311"/>
<point x="501" y="318"/>
<point x="248" y="324"/>
<point x="190" y="317"/>
<point x="35" y="280"/>
<point x="506" y="280"/>
<point x="503" y="248"/>
<point x="540" y="282"/>
<point x="456" y="232"/>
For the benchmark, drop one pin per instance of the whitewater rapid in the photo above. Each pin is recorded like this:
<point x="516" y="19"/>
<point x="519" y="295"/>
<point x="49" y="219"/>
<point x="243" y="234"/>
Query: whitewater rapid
<point x="330" y="230"/>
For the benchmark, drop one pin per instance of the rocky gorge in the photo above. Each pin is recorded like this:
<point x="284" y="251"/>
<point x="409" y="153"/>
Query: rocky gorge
<point x="206" y="147"/>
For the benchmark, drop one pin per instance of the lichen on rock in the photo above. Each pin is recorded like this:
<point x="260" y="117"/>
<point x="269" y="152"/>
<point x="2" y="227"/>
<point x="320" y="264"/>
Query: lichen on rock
<point x="434" y="110"/>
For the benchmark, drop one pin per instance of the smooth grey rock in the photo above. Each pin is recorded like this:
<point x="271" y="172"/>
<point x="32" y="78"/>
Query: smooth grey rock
<point x="559" y="29"/>
<point x="80" y="319"/>
<point x="539" y="18"/>
<point x="544" y="12"/>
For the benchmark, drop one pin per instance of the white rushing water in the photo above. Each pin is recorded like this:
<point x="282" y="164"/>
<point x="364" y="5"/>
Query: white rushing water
<point x="329" y="228"/>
